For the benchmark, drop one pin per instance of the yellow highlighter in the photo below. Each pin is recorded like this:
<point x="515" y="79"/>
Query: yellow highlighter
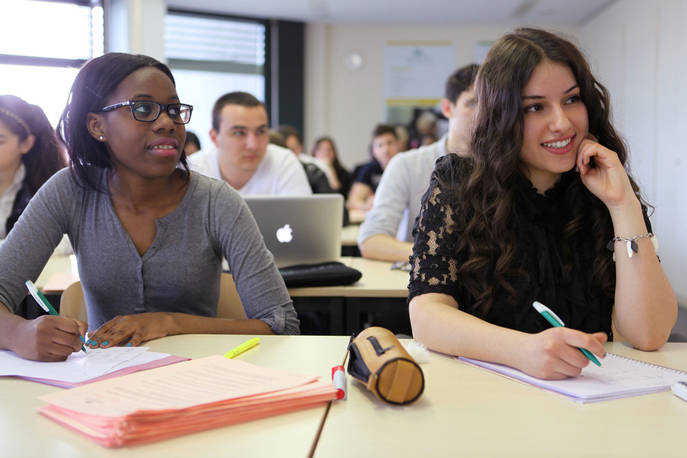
<point x="245" y="346"/>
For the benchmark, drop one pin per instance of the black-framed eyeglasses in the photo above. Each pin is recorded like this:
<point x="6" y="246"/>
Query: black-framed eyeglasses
<point x="148" y="111"/>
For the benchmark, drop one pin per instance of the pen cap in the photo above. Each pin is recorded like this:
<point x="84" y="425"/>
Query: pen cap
<point x="378" y="360"/>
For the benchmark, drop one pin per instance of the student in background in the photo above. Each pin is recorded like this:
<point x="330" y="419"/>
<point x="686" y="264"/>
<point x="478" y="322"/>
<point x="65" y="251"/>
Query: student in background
<point x="242" y="155"/>
<point x="386" y="233"/>
<point x="340" y="180"/>
<point x="529" y="217"/>
<point x="29" y="155"/>
<point x="192" y="144"/>
<point x="425" y="128"/>
<point x="292" y="139"/>
<point x="403" y="138"/>
<point x="384" y="146"/>
<point x="149" y="236"/>
<point x="317" y="179"/>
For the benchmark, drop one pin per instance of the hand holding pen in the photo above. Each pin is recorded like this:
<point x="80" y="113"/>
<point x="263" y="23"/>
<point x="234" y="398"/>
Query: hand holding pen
<point x="556" y="353"/>
<point x="49" y="337"/>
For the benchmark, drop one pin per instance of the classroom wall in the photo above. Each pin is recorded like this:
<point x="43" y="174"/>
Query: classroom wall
<point x="636" y="49"/>
<point x="347" y="105"/>
<point x="137" y="26"/>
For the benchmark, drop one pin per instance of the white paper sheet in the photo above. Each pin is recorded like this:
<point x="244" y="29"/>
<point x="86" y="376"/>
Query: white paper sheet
<point x="79" y="366"/>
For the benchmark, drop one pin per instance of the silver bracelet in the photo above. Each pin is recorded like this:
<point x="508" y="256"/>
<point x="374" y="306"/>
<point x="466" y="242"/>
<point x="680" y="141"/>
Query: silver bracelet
<point x="631" y="244"/>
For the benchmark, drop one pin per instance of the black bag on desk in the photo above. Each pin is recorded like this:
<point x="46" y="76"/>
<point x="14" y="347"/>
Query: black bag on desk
<point x="325" y="274"/>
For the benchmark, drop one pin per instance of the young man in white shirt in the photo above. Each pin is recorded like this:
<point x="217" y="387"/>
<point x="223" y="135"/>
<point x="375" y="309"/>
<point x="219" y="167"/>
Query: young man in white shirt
<point x="243" y="156"/>
<point x="386" y="233"/>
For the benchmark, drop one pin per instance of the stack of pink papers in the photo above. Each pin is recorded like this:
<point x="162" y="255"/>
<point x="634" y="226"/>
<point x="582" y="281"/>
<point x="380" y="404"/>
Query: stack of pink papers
<point x="182" y="398"/>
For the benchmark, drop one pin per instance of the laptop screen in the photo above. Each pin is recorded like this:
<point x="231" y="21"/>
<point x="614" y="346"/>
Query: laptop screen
<point x="299" y="229"/>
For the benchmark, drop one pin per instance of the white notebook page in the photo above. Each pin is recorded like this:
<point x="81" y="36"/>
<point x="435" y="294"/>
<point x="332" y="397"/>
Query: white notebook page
<point x="617" y="377"/>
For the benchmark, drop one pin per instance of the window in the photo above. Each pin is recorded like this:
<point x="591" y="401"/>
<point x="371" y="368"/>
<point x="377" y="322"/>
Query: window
<point x="212" y="55"/>
<point x="39" y="63"/>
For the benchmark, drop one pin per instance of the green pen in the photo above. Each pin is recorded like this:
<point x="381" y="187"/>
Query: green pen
<point x="558" y="323"/>
<point x="43" y="302"/>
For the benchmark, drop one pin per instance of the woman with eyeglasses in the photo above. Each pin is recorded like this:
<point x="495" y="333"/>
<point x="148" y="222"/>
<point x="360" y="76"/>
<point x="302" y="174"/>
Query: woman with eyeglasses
<point x="149" y="235"/>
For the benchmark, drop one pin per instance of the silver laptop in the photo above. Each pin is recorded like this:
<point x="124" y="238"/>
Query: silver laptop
<point x="300" y="229"/>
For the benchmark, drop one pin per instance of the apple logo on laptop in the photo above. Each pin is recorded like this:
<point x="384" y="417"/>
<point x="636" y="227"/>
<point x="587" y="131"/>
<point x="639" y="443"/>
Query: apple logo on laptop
<point x="285" y="234"/>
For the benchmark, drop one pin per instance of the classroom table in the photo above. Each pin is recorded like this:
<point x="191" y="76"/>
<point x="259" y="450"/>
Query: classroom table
<point x="25" y="433"/>
<point x="349" y="235"/>
<point x="58" y="273"/>
<point x="356" y="216"/>
<point x="378" y="279"/>
<point x="349" y="240"/>
<point x="379" y="295"/>
<point x="466" y="411"/>
<point x="377" y="298"/>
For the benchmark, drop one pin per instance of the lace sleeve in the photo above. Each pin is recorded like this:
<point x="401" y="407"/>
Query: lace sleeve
<point x="434" y="266"/>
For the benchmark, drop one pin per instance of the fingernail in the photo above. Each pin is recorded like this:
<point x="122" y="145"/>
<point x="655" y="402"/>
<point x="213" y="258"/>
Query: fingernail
<point x="82" y="339"/>
<point x="128" y="344"/>
<point x="104" y="343"/>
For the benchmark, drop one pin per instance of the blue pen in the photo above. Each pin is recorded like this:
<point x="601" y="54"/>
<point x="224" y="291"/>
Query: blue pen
<point x="557" y="322"/>
<point x="44" y="303"/>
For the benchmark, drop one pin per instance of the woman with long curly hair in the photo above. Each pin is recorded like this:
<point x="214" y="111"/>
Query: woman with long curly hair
<point x="544" y="210"/>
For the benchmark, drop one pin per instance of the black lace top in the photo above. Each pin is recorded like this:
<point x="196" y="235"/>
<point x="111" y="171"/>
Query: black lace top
<point x="539" y="221"/>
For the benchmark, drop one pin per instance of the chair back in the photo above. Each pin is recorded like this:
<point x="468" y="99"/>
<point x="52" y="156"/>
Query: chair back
<point x="72" y="303"/>
<point x="229" y="304"/>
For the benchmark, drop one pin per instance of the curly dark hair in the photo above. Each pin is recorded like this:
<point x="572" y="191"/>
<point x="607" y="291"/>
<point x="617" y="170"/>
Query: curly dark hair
<point x="485" y="191"/>
<point x="95" y="82"/>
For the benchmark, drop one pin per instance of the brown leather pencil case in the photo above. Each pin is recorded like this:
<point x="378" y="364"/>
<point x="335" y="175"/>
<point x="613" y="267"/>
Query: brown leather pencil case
<point x="379" y="361"/>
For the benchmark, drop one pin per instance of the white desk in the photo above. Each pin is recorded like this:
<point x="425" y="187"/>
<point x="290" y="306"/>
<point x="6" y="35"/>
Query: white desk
<point x="349" y="235"/>
<point x="378" y="279"/>
<point x="57" y="274"/>
<point x="25" y="433"/>
<point x="464" y="411"/>
<point x="343" y="303"/>
<point x="467" y="412"/>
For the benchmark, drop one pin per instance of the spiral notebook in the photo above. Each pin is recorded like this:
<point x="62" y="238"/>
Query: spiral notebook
<point x="618" y="377"/>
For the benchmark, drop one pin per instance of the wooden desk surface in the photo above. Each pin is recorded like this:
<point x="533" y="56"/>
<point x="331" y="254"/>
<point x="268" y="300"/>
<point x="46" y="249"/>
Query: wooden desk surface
<point x="356" y="216"/>
<point x="56" y="275"/>
<point x="467" y="411"/>
<point x="464" y="411"/>
<point x="378" y="280"/>
<point x="24" y="432"/>
<point x="349" y="235"/>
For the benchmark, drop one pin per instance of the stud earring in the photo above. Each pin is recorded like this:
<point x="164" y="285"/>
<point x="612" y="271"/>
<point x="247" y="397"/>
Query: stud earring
<point x="100" y="138"/>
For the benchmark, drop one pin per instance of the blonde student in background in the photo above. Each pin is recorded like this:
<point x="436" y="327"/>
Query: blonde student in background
<point x="529" y="216"/>
<point x="149" y="235"/>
